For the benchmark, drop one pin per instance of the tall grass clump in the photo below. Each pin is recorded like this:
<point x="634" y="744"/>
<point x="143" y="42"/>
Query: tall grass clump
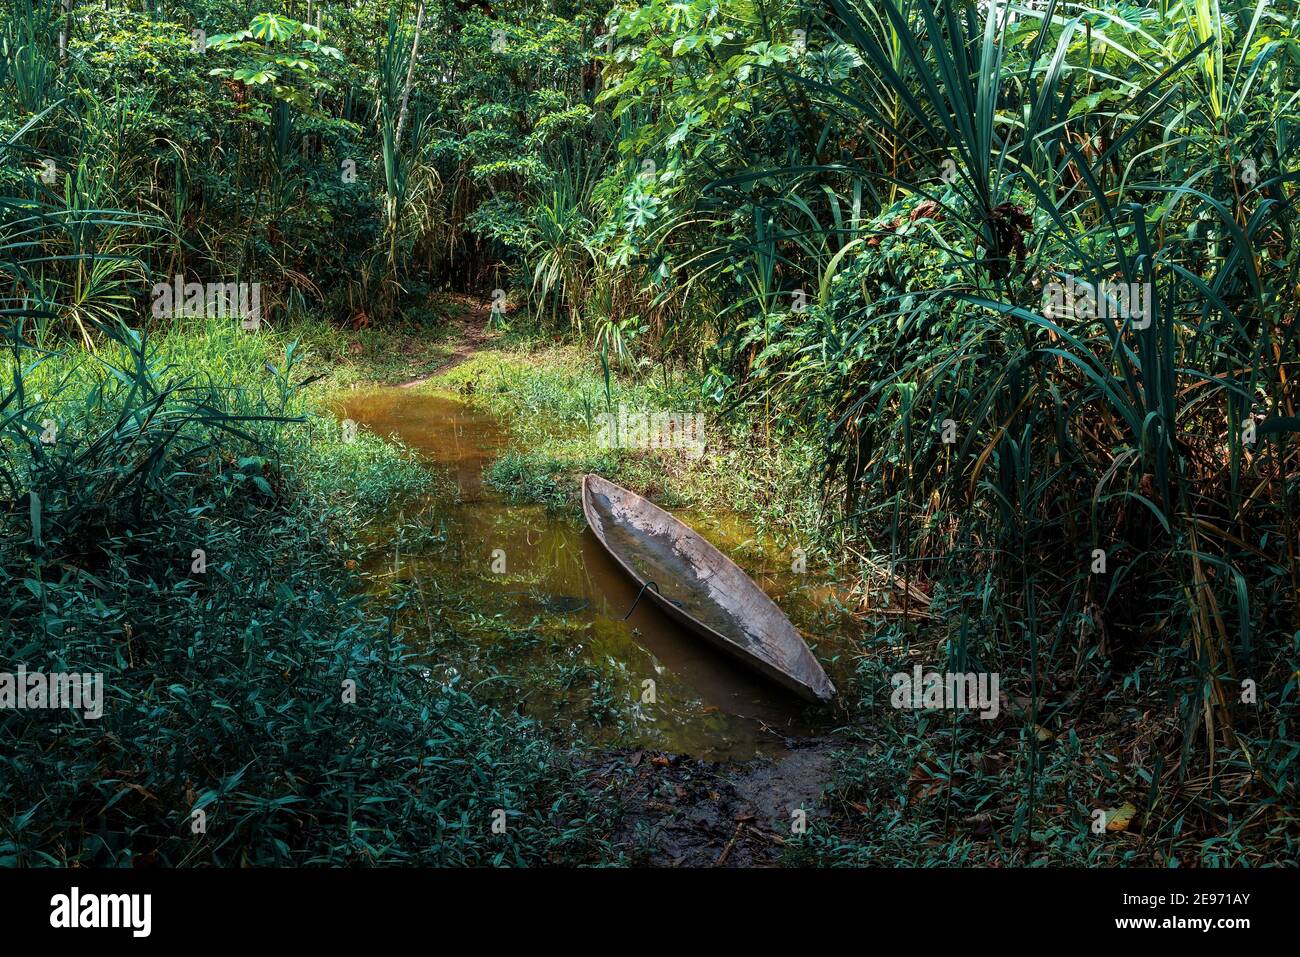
<point x="1098" y="500"/>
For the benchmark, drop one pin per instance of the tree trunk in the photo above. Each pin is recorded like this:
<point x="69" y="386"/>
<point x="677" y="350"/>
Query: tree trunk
<point x="410" y="76"/>
<point x="63" y="33"/>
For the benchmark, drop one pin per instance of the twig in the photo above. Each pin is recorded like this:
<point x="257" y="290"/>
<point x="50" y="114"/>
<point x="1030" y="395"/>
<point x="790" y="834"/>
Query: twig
<point x="726" y="851"/>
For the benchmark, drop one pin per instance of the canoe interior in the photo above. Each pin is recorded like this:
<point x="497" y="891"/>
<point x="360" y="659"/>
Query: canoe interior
<point x="702" y="587"/>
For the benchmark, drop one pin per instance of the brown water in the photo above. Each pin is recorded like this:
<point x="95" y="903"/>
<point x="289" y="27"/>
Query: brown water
<point x="559" y="582"/>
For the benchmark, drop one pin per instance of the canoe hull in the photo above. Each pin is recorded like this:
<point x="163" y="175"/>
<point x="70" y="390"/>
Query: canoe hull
<point x="700" y="588"/>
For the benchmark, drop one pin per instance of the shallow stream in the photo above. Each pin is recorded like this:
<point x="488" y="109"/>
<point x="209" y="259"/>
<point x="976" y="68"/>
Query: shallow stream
<point x="544" y="572"/>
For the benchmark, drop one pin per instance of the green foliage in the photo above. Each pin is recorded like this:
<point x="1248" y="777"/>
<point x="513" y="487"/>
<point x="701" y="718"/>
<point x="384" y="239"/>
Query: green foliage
<point x="847" y="219"/>
<point x="919" y="174"/>
<point x="267" y="56"/>
<point x="224" y="688"/>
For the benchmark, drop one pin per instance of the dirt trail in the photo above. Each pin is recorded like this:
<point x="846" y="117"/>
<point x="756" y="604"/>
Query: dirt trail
<point x="474" y="334"/>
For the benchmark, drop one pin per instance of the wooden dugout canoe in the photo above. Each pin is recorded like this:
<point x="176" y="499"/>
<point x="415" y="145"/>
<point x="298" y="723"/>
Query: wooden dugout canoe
<point x="701" y="588"/>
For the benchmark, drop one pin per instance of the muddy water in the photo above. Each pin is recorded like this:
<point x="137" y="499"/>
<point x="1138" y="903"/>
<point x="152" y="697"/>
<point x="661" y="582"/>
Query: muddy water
<point x="559" y="581"/>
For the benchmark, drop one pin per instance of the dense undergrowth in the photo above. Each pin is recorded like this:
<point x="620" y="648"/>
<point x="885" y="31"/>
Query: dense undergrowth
<point x="183" y="538"/>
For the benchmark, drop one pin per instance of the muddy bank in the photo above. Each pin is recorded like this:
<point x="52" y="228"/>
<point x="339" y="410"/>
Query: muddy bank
<point x="682" y="812"/>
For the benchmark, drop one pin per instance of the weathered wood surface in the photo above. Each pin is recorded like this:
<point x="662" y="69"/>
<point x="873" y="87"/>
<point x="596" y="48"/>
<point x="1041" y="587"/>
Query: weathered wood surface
<point x="700" y="587"/>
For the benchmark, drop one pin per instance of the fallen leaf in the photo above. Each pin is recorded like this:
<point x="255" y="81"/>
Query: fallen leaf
<point x="1118" y="819"/>
<point x="923" y="784"/>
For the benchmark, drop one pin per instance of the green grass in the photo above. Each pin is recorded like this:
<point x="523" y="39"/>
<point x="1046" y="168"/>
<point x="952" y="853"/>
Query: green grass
<point x="552" y="396"/>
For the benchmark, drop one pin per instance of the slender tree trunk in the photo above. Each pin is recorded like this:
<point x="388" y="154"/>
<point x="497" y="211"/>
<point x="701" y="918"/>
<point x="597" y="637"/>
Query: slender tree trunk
<point x="410" y="76"/>
<point x="63" y="33"/>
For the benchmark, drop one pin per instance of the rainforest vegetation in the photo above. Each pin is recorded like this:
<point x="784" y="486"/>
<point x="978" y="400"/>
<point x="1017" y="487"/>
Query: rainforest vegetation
<point x="990" y="306"/>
